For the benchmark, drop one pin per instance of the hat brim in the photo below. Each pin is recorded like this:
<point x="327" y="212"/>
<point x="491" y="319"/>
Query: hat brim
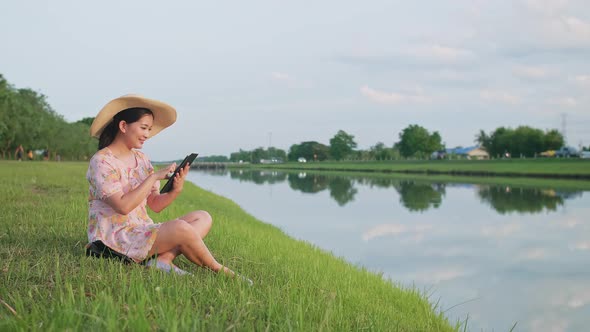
<point x="164" y="114"/>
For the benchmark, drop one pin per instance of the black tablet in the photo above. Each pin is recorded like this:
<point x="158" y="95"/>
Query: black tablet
<point x="187" y="160"/>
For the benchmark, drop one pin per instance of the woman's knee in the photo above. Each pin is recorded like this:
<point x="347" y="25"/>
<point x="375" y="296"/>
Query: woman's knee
<point x="204" y="217"/>
<point x="182" y="230"/>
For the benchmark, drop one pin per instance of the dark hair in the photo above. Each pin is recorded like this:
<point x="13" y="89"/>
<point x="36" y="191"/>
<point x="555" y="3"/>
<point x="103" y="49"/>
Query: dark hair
<point x="129" y="115"/>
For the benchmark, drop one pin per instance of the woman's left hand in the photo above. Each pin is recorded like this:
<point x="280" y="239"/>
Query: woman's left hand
<point x="179" y="179"/>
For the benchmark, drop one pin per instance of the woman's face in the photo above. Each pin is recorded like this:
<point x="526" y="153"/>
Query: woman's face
<point x="138" y="132"/>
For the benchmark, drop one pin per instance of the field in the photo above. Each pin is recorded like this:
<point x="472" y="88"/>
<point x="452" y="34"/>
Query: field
<point x="541" y="168"/>
<point x="48" y="284"/>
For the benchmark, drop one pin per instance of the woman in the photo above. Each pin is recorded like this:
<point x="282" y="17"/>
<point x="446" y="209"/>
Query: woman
<point x="123" y="181"/>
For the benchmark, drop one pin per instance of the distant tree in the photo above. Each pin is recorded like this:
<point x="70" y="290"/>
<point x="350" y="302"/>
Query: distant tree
<point x="243" y="155"/>
<point x="381" y="152"/>
<point x="416" y="141"/>
<point x="27" y="118"/>
<point x="553" y="140"/>
<point x="277" y="153"/>
<point x="88" y="121"/>
<point x="310" y="150"/>
<point x="213" y="159"/>
<point x="523" y="141"/>
<point x="483" y="140"/>
<point x="341" y="145"/>
<point x="258" y="154"/>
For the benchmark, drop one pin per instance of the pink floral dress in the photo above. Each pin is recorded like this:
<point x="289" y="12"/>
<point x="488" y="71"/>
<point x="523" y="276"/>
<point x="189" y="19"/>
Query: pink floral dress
<point x="133" y="234"/>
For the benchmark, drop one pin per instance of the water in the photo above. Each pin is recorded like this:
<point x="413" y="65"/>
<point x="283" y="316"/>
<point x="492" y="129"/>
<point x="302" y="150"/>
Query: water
<point x="498" y="254"/>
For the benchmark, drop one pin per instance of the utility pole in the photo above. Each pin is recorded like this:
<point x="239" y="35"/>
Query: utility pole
<point x="564" y="127"/>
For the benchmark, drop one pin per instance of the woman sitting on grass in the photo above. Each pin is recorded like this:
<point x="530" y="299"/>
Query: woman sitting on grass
<point x="123" y="181"/>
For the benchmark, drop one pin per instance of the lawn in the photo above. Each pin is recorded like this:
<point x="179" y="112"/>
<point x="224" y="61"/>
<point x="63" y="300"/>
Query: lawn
<point x="48" y="284"/>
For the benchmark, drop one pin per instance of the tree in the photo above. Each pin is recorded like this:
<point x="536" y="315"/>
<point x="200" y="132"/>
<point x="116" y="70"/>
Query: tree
<point x="523" y="141"/>
<point x="416" y="141"/>
<point x="310" y="150"/>
<point x="241" y="155"/>
<point x="553" y="140"/>
<point x="27" y="118"/>
<point x="341" y="145"/>
<point x="483" y="140"/>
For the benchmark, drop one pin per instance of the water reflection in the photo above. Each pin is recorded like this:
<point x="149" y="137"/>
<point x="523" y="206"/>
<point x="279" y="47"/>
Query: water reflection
<point x="308" y="184"/>
<point x="474" y="247"/>
<point x="414" y="195"/>
<point x="417" y="196"/>
<point x="506" y="199"/>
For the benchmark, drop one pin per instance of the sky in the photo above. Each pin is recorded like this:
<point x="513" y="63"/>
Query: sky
<point x="246" y="74"/>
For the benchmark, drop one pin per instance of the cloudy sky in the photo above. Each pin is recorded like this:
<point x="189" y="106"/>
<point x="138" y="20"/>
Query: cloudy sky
<point x="243" y="74"/>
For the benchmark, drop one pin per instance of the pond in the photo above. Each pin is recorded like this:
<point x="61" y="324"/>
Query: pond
<point x="497" y="254"/>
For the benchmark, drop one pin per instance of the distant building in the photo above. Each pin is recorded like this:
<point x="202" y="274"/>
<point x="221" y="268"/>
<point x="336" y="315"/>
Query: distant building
<point x="472" y="152"/>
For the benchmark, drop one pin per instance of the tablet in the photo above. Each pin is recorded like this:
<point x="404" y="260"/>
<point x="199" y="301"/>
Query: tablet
<point x="187" y="160"/>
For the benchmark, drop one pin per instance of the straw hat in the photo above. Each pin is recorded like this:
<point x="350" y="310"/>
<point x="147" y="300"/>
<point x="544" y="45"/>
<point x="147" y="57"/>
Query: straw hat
<point x="164" y="114"/>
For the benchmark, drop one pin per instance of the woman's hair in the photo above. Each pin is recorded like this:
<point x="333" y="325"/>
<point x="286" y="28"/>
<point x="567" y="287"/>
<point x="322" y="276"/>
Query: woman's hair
<point x="129" y="115"/>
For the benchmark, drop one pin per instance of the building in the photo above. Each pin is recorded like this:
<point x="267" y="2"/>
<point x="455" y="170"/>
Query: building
<point x="472" y="152"/>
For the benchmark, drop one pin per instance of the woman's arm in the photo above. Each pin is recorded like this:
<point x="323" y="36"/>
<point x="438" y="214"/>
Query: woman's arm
<point x="125" y="203"/>
<point x="158" y="202"/>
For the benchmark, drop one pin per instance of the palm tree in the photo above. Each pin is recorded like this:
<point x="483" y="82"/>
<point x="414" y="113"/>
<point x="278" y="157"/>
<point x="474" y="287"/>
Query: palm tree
<point x="483" y="139"/>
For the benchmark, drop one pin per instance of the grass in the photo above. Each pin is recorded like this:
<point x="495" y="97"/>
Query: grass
<point x="390" y="177"/>
<point x="549" y="168"/>
<point x="48" y="284"/>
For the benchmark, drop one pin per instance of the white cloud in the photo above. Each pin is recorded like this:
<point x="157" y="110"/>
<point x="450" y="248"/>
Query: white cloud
<point x="440" y="53"/>
<point x="576" y="27"/>
<point x="550" y="23"/>
<point x="443" y="274"/>
<point x="546" y="7"/>
<point x="580" y="299"/>
<point x="582" y="80"/>
<point x="501" y="231"/>
<point x="533" y="254"/>
<point x="278" y="76"/>
<point x="396" y="229"/>
<point x="499" y="96"/>
<point x="564" y="102"/>
<point x="530" y="72"/>
<point x="582" y="246"/>
<point x="393" y="98"/>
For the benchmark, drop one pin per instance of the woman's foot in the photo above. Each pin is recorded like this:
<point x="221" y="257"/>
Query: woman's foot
<point x="247" y="280"/>
<point x="166" y="267"/>
<point x="233" y="274"/>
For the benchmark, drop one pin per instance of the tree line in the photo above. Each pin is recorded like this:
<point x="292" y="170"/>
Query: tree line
<point x="415" y="142"/>
<point x="27" y="119"/>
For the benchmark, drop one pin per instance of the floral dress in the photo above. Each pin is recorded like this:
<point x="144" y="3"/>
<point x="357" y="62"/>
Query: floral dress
<point x="133" y="234"/>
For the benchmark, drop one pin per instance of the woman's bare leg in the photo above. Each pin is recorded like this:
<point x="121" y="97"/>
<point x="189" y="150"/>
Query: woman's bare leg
<point x="180" y="235"/>
<point x="200" y="221"/>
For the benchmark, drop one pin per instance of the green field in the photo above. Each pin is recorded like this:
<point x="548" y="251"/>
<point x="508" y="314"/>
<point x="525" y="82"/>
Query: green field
<point x="48" y="284"/>
<point x="548" y="168"/>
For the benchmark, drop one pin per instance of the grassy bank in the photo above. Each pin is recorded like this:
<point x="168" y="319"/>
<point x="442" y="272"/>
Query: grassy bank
<point x="48" y="284"/>
<point x="524" y="182"/>
<point x="540" y="168"/>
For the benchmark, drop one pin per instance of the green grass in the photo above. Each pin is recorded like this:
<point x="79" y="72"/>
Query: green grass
<point x="527" y="182"/>
<point x="48" y="284"/>
<point x="554" y="168"/>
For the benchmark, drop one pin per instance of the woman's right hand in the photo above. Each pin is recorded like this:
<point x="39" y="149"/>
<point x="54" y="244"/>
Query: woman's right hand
<point x="163" y="173"/>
